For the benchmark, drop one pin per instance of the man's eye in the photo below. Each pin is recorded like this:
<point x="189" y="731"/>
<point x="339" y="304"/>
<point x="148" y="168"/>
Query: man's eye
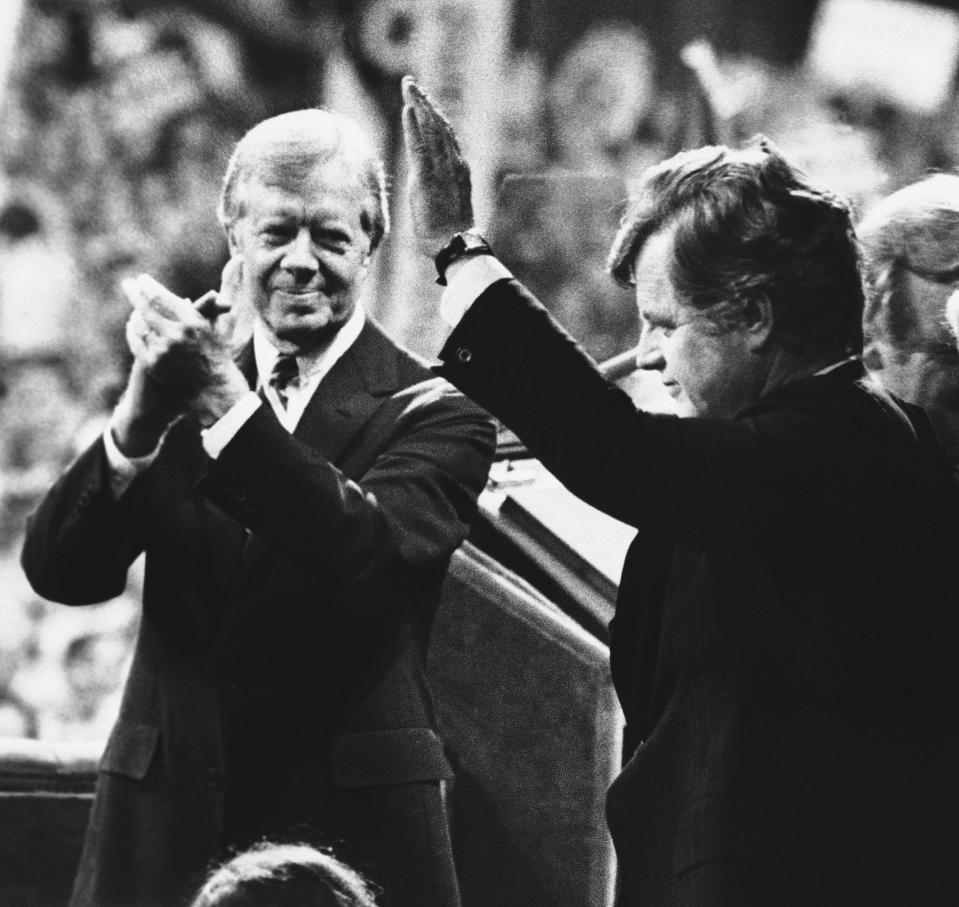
<point x="275" y="234"/>
<point x="335" y="242"/>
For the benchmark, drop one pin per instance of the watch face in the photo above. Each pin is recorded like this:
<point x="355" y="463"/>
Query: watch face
<point x="472" y="241"/>
<point x="461" y="245"/>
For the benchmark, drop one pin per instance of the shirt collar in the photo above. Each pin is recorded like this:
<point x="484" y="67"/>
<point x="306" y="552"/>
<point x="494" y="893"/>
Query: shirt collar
<point x="265" y="354"/>
<point x="835" y="365"/>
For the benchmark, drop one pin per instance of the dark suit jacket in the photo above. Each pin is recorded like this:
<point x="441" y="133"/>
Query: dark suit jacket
<point x="782" y="644"/>
<point x="277" y="686"/>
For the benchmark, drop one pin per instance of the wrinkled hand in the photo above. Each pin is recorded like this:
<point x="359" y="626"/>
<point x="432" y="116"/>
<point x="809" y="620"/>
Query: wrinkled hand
<point x="439" y="187"/>
<point x="186" y="348"/>
<point x="227" y="300"/>
<point x="144" y="412"/>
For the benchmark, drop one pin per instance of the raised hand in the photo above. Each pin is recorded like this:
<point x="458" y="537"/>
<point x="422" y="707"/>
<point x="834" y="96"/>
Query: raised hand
<point x="439" y="187"/>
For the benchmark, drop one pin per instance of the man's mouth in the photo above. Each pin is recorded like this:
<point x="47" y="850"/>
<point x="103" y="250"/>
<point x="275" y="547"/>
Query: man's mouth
<point x="299" y="297"/>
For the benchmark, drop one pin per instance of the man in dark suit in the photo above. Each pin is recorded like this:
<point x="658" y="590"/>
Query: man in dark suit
<point x="781" y="644"/>
<point x="296" y="541"/>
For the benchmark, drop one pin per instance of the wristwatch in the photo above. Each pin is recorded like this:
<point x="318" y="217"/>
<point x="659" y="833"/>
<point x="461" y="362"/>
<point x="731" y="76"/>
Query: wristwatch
<point x="462" y="245"/>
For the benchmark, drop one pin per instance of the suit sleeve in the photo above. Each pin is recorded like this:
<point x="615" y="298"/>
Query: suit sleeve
<point x="82" y="539"/>
<point x="697" y="479"/>
<point x="406" y="512"/>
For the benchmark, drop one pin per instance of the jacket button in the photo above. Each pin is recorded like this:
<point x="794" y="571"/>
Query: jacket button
<point x="464" y="354"/>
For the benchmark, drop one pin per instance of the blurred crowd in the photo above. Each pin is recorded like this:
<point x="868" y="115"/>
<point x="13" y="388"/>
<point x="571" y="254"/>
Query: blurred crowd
<point x="135" y="116"/>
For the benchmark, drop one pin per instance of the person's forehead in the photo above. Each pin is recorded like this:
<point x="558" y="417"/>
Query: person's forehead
<point x="656" y="294"/>
<point x="922" y="308"/>
<point x="325" y="188"/>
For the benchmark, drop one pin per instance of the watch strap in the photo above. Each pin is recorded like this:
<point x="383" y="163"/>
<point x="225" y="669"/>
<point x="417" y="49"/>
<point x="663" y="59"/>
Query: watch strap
<point x="462" y="245"/>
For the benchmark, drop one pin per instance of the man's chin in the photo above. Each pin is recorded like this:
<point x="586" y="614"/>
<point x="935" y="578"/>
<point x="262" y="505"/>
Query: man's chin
<point x="305" y="337"/>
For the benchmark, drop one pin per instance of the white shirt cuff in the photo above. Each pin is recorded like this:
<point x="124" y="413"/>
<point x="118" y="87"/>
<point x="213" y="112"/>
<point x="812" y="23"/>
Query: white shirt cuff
<point x="221" y="432"/>
<point x="123" y="469"/>
<point x="466" y="281"/>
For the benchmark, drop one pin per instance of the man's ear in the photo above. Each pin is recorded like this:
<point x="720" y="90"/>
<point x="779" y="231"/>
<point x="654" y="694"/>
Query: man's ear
<point x="758" y="319"/>
<point x="231" y="240"/>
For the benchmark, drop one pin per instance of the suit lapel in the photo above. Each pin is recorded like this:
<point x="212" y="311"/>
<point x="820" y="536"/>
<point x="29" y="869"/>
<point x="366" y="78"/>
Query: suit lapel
<point x="349" y="394"/>
<point x="341" y="405"/>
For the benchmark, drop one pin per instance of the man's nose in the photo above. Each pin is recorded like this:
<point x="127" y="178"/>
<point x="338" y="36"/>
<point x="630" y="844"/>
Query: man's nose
<point x="648" y="354"/>
<point x="300" y="255"/>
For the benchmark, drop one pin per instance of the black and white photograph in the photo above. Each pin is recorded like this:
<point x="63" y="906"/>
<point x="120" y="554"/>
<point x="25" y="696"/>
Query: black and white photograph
<point x="479" y="453"/>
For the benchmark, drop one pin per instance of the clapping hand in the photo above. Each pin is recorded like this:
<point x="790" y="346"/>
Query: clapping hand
<point x="439" y="187"/>
<point x="952" y="315"/>
<point x="183" y="359"/>
<point x="179" y="344"/>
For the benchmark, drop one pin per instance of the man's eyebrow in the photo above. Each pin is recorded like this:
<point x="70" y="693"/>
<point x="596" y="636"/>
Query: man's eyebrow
<point x="276" y="214"/>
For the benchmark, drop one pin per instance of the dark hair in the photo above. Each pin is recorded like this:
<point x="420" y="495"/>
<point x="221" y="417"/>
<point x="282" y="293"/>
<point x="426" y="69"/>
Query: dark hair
<point x="289" y="147"/>
<point x="914" y="230"/>
<point x="748" y="224"/>
<point x="285" y="875"/>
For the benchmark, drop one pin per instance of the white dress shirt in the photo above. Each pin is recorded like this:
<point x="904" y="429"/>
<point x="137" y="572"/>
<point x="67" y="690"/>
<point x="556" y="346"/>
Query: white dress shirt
<point x="312" y="370"/>
<point x="466" y="280"/>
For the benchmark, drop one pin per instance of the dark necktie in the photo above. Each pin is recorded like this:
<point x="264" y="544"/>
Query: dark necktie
<point x="285" y="373"/>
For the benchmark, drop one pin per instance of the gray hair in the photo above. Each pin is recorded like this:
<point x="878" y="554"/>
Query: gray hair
<point x="915" y="230"/>
<point x="289" y="147"/>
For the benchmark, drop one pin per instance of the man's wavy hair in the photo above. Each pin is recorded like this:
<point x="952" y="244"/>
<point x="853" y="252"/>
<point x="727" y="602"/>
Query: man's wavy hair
<point x="749" y="224"/>
<point x="285" y="150"/>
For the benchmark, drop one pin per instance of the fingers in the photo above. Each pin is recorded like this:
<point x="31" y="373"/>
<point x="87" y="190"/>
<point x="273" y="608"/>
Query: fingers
<point x="231" y="277"/>
<point x="231" y="284"/>
<point x="137" y="333"/>
<point x="952" y="314"/>
<point x="419" y="154"/>
<point x="210" y="306"/>
<point x="155" y="301"/>
<point x="438" y="182"/>
<point x="427" y="133"/>
<point x="416" y="150"/>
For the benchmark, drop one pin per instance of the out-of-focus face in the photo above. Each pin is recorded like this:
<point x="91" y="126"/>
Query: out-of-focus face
<point x="708" y="371"/>
<point x="923" y="367"/>
<point x="305" y="254"/>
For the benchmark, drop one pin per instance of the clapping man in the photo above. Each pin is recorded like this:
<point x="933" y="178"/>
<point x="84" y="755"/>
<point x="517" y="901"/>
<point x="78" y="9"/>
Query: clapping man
<point x="298" y="506"/>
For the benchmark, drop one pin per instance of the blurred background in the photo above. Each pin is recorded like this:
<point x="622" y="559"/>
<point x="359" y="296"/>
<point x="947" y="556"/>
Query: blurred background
<point x="117" y="118"/>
